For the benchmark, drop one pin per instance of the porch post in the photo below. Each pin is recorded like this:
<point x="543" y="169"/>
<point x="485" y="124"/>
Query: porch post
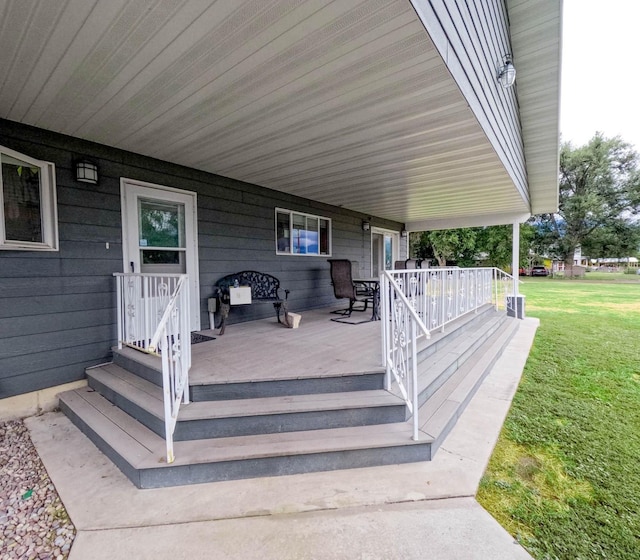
<point x="515" y="301"/>
<point x="515" y="257"/>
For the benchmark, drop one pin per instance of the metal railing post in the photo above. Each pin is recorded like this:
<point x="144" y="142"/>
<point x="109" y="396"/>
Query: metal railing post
<point x="119" y="305"/>
<point x="414" y="379"/>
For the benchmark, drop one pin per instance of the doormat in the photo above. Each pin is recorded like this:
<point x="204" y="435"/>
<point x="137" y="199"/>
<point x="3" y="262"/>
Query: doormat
<point x="197" y="338"/>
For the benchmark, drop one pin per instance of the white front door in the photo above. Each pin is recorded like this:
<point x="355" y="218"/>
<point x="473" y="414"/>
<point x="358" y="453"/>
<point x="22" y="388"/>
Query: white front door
<point x="159" y="234"/>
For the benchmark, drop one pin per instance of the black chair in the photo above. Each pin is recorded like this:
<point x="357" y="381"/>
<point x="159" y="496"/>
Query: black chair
<point x="345" y="288"/>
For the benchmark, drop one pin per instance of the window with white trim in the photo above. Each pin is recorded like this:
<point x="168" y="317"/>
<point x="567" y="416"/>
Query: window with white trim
<point x="28" y="221"/>
<point x="302" y="234"/>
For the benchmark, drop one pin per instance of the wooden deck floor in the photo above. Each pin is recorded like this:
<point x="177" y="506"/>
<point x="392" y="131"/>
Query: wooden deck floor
<point x="265" y="349"/>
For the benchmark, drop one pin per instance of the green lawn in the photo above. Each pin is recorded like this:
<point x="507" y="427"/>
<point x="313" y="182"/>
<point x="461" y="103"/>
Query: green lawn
<point x="565" y="476"/>
<point x="598" y="276"/>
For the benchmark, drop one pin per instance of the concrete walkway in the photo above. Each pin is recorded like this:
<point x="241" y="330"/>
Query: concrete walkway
<point x="419" y="510"/>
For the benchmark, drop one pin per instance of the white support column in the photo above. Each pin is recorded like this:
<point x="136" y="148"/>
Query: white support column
<point x="515" y="301"/>
<point x="515" y="257"/>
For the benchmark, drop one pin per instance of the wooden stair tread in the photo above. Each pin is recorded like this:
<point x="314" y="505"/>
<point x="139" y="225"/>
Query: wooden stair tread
<point x="290" y="404"/>
<point x="295" y="443"/>
<point x="260" y="378"/>
<point x="122" y="432"/>
<point x="149" y="397"/>
<point x="141" y="448"/>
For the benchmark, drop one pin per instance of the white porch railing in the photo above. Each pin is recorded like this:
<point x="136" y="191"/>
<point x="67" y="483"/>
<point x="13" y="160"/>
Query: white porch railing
<point x="153" y="316"/>
<point x="414" y="303"/>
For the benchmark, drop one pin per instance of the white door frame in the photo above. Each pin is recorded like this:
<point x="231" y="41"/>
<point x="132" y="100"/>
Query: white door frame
<point x="130" y="191"/>
<point x="395" y="246"/>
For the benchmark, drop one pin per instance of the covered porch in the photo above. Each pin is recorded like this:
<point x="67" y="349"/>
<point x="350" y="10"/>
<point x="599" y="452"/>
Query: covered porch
<point x="354" y="119"/>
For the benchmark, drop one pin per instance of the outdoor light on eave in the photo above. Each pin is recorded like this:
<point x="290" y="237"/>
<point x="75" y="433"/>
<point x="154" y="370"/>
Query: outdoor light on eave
<point x="86" y="172"/>
<point x="366" y="225"/>
<point x="507" y="72"/>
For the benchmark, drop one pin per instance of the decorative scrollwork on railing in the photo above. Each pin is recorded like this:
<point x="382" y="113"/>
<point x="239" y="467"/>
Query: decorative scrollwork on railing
<point x="449" y="304"/>
<point x="412" y="296"/>
<point x="460" y="280"/>
<point x="399" y="341"/>
<point x="130" y="294"/>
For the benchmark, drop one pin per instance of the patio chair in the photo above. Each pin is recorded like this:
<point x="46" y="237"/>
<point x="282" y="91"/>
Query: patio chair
<point x="345" y="288"/>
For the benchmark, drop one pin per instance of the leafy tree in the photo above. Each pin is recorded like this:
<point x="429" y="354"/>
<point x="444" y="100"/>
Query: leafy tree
<point x="495" y="244"/>
<point x="447" y="245"/>
<point x="466" y="246"/>
<point x="618" y="240"/>
<point x="599" y="198"/>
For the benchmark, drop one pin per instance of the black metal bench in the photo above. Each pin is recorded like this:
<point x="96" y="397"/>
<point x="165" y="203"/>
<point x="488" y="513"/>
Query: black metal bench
<point x="265" y="288"/>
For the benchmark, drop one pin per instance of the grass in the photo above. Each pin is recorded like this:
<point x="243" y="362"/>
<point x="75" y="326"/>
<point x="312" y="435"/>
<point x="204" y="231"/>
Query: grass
<point x="564" y="478"/>
<point x="599" y="276"/>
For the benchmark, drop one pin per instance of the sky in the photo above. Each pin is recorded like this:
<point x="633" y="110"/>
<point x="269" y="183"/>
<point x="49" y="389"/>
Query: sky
<point x="600" y="77"/>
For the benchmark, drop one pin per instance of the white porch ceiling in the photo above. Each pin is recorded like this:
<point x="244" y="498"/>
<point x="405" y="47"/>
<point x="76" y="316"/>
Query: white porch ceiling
<point x="345" y="102"/>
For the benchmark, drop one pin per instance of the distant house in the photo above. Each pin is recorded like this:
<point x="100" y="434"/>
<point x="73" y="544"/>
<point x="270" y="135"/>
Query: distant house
<point x="631" y="262"/>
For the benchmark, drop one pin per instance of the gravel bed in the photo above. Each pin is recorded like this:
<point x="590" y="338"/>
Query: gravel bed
<point x="33" y="522"/>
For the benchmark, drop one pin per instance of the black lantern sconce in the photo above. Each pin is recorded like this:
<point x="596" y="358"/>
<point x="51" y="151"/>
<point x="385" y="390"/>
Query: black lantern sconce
<point x="86" y="172"/>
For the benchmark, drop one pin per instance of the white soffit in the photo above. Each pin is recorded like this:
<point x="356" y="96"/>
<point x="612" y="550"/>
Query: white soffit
<point x="344" y="102"/>
<point x="536" y="37"/>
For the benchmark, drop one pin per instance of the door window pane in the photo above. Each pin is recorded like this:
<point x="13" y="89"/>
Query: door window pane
<point x="376" y="252"/>
<point x="22" y="206"/>
<point x="388" y="252"/>
<point x="161" y="224"/>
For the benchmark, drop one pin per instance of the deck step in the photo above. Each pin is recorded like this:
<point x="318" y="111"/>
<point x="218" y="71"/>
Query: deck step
<point x="294" y="385"/>
<point x="441" y="411"/>
<point x="452" y="331"/>
<point x="139" y="452"/>
<point x="148" y="367"/>
<point x="436" y="368"/>
<point x="211" y="419"/>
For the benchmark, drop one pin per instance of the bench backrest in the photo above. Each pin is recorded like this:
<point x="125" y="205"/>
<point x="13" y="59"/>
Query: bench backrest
<point x="263" y="285"/>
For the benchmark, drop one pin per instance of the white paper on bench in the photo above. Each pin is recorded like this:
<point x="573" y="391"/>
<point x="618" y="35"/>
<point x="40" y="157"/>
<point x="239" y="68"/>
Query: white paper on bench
<point x="240" y="296"/>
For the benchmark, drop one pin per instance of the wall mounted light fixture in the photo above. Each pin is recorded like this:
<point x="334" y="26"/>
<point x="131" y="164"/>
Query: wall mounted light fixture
<point x="86" y="172"/>
<point x="507" y="72"/>
<point x="366" y="226"/>
<point x="404" y="233"/>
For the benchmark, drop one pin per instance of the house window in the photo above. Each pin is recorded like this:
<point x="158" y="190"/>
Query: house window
<point x="302" y="234"/>
<point x="28" y="221"/>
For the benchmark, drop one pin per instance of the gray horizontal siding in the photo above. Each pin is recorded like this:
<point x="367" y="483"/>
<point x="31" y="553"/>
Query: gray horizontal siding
<point x="49" y="369"/>
<point x="57" y="309"/>
<point x="20" y="307"/>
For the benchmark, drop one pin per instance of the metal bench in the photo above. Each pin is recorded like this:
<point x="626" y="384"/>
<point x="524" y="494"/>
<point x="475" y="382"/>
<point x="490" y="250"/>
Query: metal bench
<point x="265" y="288"/>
